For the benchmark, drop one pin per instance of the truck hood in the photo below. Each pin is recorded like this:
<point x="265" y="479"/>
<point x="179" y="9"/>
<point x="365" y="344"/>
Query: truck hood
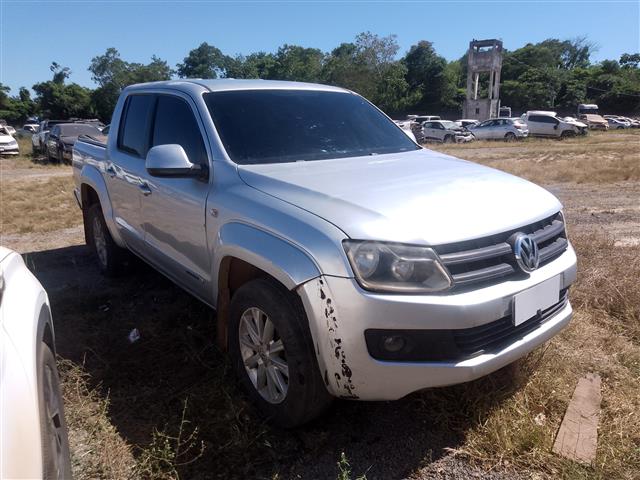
<point x="421" y="197"/>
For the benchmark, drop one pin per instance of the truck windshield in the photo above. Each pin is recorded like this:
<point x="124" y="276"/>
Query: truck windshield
<point x="278" y="126"/>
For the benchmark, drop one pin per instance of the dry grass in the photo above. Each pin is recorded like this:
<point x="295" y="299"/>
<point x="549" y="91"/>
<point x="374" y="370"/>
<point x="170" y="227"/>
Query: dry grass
<point x="600" y="157"/>
<point x="38" y="205"/>
<point x="603" y="338"/>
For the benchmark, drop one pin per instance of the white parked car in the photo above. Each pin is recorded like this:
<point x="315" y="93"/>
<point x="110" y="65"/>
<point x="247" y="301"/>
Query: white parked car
<point x="8" y="144"/>
<point x="577" y="123"/>
<point x="33" y="431"/>
<point x="10" y="130"/>
<point x="405" y="126"/>
<point x="547" y="124"/>
<point x="445" y="131"/>
<point x="617" y="123"/>
<point x="507" y="129"/>
<point x="467" y="122"/>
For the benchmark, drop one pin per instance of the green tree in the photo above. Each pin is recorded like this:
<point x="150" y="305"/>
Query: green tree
<point x="57" y="99"/>
<point x="16" y="109"/>
<point x="296" y="63"/>
<point x="256" y="65"/>
<point x="112" y="74"/>
<point x="629" y="60"/>
<point x="205" y="61"/>
<point x="368" y="67"/>
<point x="427" y="75"/>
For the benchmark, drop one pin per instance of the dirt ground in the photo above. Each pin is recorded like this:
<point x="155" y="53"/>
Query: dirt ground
<point x="168" y="406"/>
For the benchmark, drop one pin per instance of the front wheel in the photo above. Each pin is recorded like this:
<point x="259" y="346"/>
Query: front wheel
<point x="509" y="137"/>
<point x="56" y="463"/>
<point x="448" y="139"/>
<point x="273" y="355"/>
<point x="111" y="258"/>
<point x="567" y="134"/>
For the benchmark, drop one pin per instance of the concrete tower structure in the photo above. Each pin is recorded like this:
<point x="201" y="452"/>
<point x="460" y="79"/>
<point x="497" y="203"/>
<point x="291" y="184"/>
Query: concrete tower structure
<point x="485" y="56"/>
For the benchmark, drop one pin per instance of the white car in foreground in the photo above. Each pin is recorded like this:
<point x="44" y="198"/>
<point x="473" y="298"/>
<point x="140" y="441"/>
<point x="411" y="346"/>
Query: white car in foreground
<point x="8" y="144"/>
<point x="33" y="431"/>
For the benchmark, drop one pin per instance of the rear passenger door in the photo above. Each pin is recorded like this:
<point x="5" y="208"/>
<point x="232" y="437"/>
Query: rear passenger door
<point x="125" y="170"/>
<point x="174" y="208"/>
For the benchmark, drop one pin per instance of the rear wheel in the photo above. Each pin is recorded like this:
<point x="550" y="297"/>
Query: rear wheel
<point x="272" y="353"/>
<point x="111" y="258"/>
<point x="56" y="463"/>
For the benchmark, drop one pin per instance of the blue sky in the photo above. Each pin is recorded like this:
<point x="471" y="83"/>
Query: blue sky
<point x="35" y="33"/>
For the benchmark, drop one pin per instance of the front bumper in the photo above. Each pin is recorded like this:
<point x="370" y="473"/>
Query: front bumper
<point x="6" y="149"/>
<point x="464" y="138"/>
<point x="339" y="313"/>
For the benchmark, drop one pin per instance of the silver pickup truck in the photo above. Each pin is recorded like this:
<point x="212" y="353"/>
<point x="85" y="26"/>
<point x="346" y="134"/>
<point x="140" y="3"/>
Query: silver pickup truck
<point x="342" y="258"/>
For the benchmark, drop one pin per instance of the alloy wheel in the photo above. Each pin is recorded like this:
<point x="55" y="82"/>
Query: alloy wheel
<point x="99" y="240"/>
<point x="263" y="355"/>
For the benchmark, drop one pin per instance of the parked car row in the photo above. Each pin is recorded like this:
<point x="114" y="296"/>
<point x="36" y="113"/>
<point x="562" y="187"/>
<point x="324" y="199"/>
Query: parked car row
<point x="535" y="123"/>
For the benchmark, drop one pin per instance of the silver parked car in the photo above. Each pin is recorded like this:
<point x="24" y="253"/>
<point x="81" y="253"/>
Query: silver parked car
<point x="343" y="259"/>
<point x="507" y="129"/>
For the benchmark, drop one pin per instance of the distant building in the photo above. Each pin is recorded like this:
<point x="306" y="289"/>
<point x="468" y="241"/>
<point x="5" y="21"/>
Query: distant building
<point x="484" y="57"/>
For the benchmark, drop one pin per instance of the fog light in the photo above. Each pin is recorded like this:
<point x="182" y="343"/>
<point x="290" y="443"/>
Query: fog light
<point x="394" y="343"/>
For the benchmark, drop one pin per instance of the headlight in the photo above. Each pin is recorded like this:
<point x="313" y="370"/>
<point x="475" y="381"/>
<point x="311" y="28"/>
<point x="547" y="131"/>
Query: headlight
<point x="13" y="143"/>
<point x="393" y="267"/>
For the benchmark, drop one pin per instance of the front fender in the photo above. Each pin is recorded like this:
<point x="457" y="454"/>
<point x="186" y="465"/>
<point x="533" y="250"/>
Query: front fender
<point x="91" y="176"/>
<point x="284" y="261"/>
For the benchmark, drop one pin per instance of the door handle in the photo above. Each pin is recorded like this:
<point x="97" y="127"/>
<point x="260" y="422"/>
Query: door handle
<point x="144" y="188"/>
<point x="111" y="171"/>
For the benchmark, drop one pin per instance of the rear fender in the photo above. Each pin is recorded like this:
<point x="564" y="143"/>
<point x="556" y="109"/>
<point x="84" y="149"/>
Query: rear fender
<point x="91" y="176"/>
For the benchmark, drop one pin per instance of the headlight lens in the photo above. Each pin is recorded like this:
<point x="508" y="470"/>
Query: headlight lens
<point x="393" y="267"/>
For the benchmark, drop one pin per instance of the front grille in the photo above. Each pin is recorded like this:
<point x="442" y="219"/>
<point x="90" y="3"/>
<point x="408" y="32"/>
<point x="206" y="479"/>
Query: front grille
<point x="490" y="259"/>
<point x="460" y="344"/>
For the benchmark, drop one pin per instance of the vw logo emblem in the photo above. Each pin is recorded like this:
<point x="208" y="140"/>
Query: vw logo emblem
<point x="526" y="252"/>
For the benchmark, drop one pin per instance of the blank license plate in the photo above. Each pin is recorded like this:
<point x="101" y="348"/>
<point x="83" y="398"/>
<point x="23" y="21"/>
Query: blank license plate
<point x="528" y="303"/>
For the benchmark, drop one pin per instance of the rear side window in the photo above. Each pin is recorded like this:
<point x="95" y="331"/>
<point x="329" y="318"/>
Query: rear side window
<point x="176" y="124"/>
<point x="536" y="118"/>
<point x="134" y="127"/>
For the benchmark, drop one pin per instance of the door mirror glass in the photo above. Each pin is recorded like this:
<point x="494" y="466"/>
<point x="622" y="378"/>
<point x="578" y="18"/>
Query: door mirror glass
<point x="170" y="160"/>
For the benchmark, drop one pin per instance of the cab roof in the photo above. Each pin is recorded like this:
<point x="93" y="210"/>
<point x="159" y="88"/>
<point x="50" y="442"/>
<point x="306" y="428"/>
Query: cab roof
<point x="228" y="84"/>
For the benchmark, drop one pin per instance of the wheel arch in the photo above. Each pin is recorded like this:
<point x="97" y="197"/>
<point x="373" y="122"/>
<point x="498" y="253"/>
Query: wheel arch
<point x="246" y="252"/>
<point x="93" y="189"/>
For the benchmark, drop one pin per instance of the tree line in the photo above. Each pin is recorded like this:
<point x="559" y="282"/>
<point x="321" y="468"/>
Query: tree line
<point x="553" y="74"/>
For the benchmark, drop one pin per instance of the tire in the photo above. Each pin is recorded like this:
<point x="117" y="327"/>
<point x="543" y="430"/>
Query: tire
<point x="304" y="396"/>
<point x="448" y="139"/>
<point x="509" y="137"/>
<point x="56" y="462"/>
<point x="567" y="134"/>
<point x="110" y="257"/>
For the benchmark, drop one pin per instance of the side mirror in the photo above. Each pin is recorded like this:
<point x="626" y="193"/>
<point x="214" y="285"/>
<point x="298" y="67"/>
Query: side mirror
<point x="171" y="161"/>
<point x="555" y="127"/>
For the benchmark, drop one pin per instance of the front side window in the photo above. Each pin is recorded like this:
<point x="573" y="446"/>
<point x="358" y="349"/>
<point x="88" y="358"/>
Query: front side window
<point x="134" y="125"/>
<point x="175" y="124"/>
<point x="278" y="126"/>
